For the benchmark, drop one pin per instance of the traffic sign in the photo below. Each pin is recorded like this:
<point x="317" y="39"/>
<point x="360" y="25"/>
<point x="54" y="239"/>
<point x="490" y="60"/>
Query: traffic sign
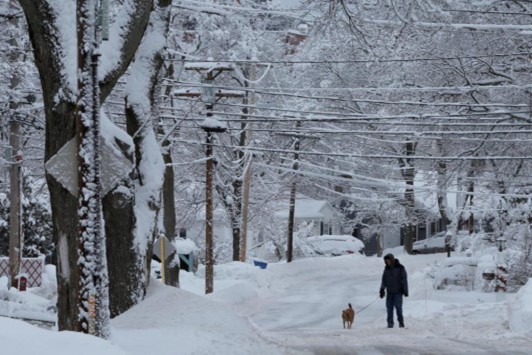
<point x="63" y="166"/>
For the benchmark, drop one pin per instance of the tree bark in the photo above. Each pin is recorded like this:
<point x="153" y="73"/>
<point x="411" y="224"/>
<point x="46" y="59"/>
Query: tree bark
<point x="442" y="185"/>
<point x="408" y="173"/>
<point x="169" y="220"/>
<point x="171" y="271"/>
<point x="138" y="121"/>
<point x="59" y="107"/>
<point x="119" y="214"/>
<point x="15" y="209"/>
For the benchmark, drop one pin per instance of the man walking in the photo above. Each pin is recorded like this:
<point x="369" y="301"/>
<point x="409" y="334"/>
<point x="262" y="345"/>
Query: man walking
<point x="394" y="281"/>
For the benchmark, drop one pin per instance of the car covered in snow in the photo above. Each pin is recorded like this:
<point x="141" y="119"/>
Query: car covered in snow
<point x="434" y="244"/>
<point x="335" y="245"/>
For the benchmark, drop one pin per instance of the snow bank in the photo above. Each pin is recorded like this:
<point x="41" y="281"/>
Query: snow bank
<point x="15" y="335"/>
<point x="48" y="288"/>
<point x="173" y="321"/>
<point x="14" y="303"/>
<point x="520" y="311"/>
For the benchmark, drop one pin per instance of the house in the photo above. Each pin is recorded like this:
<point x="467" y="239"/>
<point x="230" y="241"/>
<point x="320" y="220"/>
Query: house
<point x="194" y="229"/>
<point x="319" y="212"/>
<point x="294" y="38"/>
<point x="368" y="226"/>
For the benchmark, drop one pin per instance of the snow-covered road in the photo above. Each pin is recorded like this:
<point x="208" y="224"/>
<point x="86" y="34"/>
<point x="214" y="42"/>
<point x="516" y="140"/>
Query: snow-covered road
<point x="300" y="308"/>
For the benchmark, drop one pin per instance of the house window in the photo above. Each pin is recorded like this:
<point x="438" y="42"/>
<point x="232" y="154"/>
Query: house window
<point x="330" y="228"/>
<point x="183" y="233"/>
<point x="321" y="228"/>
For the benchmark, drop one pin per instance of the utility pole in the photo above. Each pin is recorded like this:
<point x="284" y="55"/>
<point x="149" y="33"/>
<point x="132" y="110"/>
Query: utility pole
<point x="292" y="207"/>
<point x="15" y="211"/>
<point x="247" y="173"/>
<point x="292" y="204"/>
<point x="93" y="298"/>
<point x="210" y="125"/>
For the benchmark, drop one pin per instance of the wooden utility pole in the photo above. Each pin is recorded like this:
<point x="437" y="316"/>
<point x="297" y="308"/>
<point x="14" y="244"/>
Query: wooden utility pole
<point x="209" y="260"/>
<point x="210" y="125"/>
<point x="292" y="204"/>
<point x="292" y="207"/>
<point x="15" y="211"/>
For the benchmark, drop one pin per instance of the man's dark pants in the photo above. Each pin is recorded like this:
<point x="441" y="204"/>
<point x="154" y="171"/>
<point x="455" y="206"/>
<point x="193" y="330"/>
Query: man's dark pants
<point x="394" y="300"/>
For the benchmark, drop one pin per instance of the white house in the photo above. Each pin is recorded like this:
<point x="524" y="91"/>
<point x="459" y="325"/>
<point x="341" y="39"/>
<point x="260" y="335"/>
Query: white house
<point x="320" y="212"/>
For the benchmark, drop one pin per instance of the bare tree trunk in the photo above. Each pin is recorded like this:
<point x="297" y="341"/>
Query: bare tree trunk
<point x="64" y="218"/>
<point x="139" y="117"/>
<point x="143" y="236"/>
<point x="169" y="220"/>
<point x="171" y="271"/>
<point x="16" y="238"/>
<point x="408" y="173"/>
<point x="124" y="272"/>
<point x="441" y="193"/>
<point x="15" y="209"/>
<point x="470" y="220"/>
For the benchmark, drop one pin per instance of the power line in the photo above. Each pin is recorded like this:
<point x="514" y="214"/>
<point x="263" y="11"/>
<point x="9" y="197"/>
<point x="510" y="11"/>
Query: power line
<point x="357" y="134"/>
<point x="383" y="182"/>
<point x="490" y="12"/>
<point x="277" y="92"/>
<point x="312" y="115"/>
<point x="367" y="135"/>
<point x="353" y="61"/>
<point x="356" y="121"/>
<point x="367" y="156"/>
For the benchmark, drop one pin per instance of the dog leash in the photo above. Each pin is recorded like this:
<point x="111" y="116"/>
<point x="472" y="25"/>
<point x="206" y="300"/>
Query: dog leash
<point x="375" y="300"/>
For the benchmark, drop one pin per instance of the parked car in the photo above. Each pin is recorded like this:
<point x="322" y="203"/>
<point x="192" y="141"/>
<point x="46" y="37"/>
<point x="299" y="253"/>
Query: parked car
<point x="335" y="245"/>
<point x="434" y="244"/>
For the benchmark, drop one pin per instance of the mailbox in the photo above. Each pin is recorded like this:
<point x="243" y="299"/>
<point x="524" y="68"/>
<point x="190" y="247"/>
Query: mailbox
<point x="21" y="282"/>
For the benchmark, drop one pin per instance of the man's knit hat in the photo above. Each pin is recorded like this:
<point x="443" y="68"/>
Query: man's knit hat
<point x="389" y="257"/>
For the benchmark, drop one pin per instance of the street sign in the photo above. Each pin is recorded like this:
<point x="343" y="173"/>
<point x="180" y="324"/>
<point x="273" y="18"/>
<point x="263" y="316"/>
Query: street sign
<point x="169" y="248"/>
<point x="63" y="166"/>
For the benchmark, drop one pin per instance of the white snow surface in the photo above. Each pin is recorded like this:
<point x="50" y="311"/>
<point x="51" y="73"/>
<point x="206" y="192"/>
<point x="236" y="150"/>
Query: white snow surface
<point x="295" y="309"/>
<point x="520" y="311"/>
<point x="306" y="208"/>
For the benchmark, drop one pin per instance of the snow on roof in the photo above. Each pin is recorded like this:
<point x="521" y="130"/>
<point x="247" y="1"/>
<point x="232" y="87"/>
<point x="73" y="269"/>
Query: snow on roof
<point x="185" y="246"/>
<point x="306" y="208"/>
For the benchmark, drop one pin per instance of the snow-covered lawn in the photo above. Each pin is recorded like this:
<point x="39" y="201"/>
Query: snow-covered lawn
<point x="295" y="308"/>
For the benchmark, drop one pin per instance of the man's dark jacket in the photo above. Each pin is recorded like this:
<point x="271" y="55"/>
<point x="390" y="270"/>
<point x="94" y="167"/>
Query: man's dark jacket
<point x="394" y="279"/>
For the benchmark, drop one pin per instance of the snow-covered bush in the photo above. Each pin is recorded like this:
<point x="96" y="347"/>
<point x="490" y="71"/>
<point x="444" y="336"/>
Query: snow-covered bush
<point x="275" y="247"/>
<point x="455" y="273"/>
<point x="36" y="220"/>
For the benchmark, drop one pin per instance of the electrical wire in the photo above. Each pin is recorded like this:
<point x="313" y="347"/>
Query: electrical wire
<point x="355" y="155"/>
<point x="353" y="61"/>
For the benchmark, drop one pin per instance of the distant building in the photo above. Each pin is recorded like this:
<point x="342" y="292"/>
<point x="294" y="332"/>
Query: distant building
<point x="295" y="37"/>
<point x="320" y="212"/>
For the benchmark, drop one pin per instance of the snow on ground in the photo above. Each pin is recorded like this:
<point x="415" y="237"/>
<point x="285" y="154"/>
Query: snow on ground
<point x="295" y="308"/>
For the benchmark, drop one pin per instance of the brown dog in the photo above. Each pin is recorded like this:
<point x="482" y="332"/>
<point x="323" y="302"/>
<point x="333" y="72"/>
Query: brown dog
<point x="348" y="316"/>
